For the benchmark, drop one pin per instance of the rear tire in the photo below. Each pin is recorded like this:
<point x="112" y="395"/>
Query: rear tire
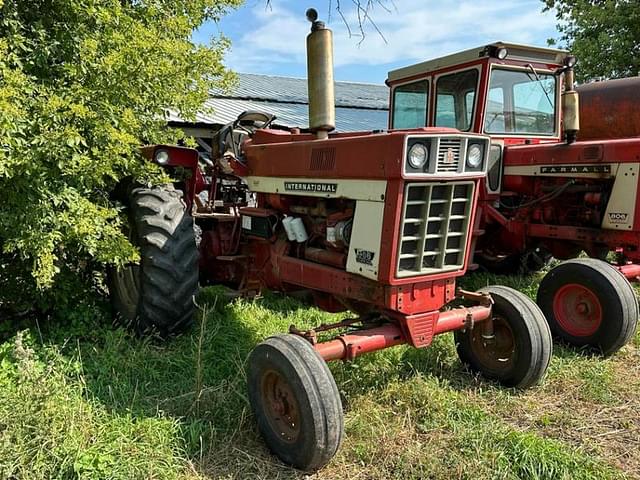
<point x="295" y="401"/>
<point x="157" y="295"/>
<point x="519" y="352"/>
<point x="588" y="302"/>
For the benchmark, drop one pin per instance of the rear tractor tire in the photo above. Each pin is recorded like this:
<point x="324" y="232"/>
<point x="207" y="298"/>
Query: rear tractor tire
<point x="518" y="350"/>
<point x="296" y="402"/>
<point x="157" y="295"/>
<point x="589" y="303"/>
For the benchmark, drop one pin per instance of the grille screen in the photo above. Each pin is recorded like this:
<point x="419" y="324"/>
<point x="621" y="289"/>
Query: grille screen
<point x="435" y="227"/>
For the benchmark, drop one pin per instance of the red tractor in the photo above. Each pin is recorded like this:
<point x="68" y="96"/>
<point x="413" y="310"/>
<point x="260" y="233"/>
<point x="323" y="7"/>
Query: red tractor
<point x="377" y="223"/>
<point x="546" y="194"/>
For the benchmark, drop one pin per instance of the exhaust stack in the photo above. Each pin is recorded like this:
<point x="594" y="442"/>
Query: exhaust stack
<point x="320" y="87"/>
<point x="570" y="103"/>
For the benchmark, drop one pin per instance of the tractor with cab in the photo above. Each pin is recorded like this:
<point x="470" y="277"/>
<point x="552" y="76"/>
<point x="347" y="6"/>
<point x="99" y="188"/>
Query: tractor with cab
<point x="377" y="224"/>
<point x="552" y="189"/>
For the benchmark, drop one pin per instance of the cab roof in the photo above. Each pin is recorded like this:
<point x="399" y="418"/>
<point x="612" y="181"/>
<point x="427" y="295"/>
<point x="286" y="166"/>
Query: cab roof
<point x="515" y="51"/>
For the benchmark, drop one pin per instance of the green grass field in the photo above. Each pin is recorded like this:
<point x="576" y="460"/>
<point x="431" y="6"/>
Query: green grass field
<point x="83" y="399"/>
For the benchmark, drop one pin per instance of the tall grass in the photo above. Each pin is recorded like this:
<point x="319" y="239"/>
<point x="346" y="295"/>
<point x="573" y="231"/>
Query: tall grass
<point x="84" y="399"/>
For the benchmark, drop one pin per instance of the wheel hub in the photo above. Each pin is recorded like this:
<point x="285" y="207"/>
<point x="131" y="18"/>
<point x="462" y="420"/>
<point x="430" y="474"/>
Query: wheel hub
<point x="577" y="309"/>
<point x="495" y="350"/>
<point x="282" y="409"/>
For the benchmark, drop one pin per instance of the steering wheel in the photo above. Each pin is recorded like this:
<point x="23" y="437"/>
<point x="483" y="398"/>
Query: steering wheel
<point x="230" y="137"/>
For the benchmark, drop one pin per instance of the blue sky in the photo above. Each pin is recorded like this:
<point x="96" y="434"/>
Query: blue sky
<point x="272" y="40"/>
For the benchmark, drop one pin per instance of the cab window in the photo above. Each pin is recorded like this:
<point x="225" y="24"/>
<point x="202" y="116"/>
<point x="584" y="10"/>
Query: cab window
<point x="521" y="103"/>
<point x="410" y="105"/>
<point x="455" y="100"/>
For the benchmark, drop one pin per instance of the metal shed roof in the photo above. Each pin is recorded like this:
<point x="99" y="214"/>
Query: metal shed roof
<point x="359" y="106"/>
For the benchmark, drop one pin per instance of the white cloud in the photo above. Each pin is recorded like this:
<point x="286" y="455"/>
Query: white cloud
<point x="417" y="31"/>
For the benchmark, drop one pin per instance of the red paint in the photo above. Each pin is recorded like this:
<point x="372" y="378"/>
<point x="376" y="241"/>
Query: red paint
<point x="460" y="317"/>
<point x="610" y="134"/>
<point x="416" y="330"/>
<point x="420" y="296"/>
<point x="374" y="156"/>
<point x="349" y="346"/>
<point x="577" y="310"/>
<point x="327" y="257"/>
<point x="610" y="109"/>
<point x="631" y="271"/>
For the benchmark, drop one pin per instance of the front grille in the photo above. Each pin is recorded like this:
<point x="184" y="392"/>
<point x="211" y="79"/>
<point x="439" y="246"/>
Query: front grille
<point x="449" y="155"/>
<point x="435" y="227"/>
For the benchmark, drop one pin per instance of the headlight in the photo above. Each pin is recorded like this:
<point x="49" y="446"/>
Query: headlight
<point x="418" y="155"/>
<point x="161" y="157"/>
<point x="474" y="156"/>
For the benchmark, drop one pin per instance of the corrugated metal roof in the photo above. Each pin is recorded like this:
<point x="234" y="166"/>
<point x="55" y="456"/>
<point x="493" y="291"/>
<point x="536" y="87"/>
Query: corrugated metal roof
<point x="294" y="90"/>
<point x="225" y="110"/>
<point x="359" y="106"/>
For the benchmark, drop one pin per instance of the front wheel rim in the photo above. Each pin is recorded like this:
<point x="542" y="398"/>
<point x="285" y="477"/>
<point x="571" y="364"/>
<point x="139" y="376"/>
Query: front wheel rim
<point x="280" y="406"/>
<point x="496" y="352"/>
<point x="577" y="310"/>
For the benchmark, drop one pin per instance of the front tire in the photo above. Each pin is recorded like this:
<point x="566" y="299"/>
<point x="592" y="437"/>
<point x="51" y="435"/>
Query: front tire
<point x="157" y="295"/>
<point x="518" y="351"/>
<point x="295" y="401"/>
<point x="587" y="302"/>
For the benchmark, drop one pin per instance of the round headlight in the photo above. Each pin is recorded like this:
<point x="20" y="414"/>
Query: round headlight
<point x="502" y="53"/>
<point x="418" y="155"/>
<point x="162" y="157"/>
<point x="474" y="156"/>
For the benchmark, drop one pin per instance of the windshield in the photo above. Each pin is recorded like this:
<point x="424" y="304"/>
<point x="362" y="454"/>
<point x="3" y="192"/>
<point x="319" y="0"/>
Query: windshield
<point x="455" y="96"/>
<point x="410" y="105"/>
<point x="519" y="102"/>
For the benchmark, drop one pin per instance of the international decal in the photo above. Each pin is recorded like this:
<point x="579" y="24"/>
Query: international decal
<point x="450" y="157"/>
<point x="364" y="256"/>
<point x="575" y="169"/>
<point x="315" y="187"/>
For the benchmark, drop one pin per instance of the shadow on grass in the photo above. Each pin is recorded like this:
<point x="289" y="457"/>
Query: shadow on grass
<point x="196" y="378"/>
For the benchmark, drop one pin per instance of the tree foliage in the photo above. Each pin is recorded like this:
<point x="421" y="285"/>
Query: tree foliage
<point x="603" y="34"/>
<point x="82" y="84"/>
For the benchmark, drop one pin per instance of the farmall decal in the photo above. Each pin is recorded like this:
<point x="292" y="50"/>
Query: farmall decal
<point x="575" y="169"/>
<point x="618" y="217"/>
<point x="311" y="187"/>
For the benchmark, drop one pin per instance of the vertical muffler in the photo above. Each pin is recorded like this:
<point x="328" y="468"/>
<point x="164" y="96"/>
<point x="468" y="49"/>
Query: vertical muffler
<point x="320" y="87"/>
<point x="570" y="102"/>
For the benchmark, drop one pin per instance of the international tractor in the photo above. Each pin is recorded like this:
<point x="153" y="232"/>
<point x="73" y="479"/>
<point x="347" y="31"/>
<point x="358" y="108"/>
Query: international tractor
<point x="380" y="224"/>
<point x="551" y="189"/>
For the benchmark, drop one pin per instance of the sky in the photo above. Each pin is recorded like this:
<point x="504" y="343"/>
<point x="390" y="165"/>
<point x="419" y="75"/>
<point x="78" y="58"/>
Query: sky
<point x="271" y="39"/>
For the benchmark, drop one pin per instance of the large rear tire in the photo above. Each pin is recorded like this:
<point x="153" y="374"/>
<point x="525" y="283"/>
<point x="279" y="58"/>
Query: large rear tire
<point x="157" y="295"/>
<point x="295" y="401"/>
<point x="588" y="302"/>
<point x="518" y="351"/>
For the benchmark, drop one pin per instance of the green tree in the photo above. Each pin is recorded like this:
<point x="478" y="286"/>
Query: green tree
<point x="603" y="34"/>
<point x="82" y="84"/>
